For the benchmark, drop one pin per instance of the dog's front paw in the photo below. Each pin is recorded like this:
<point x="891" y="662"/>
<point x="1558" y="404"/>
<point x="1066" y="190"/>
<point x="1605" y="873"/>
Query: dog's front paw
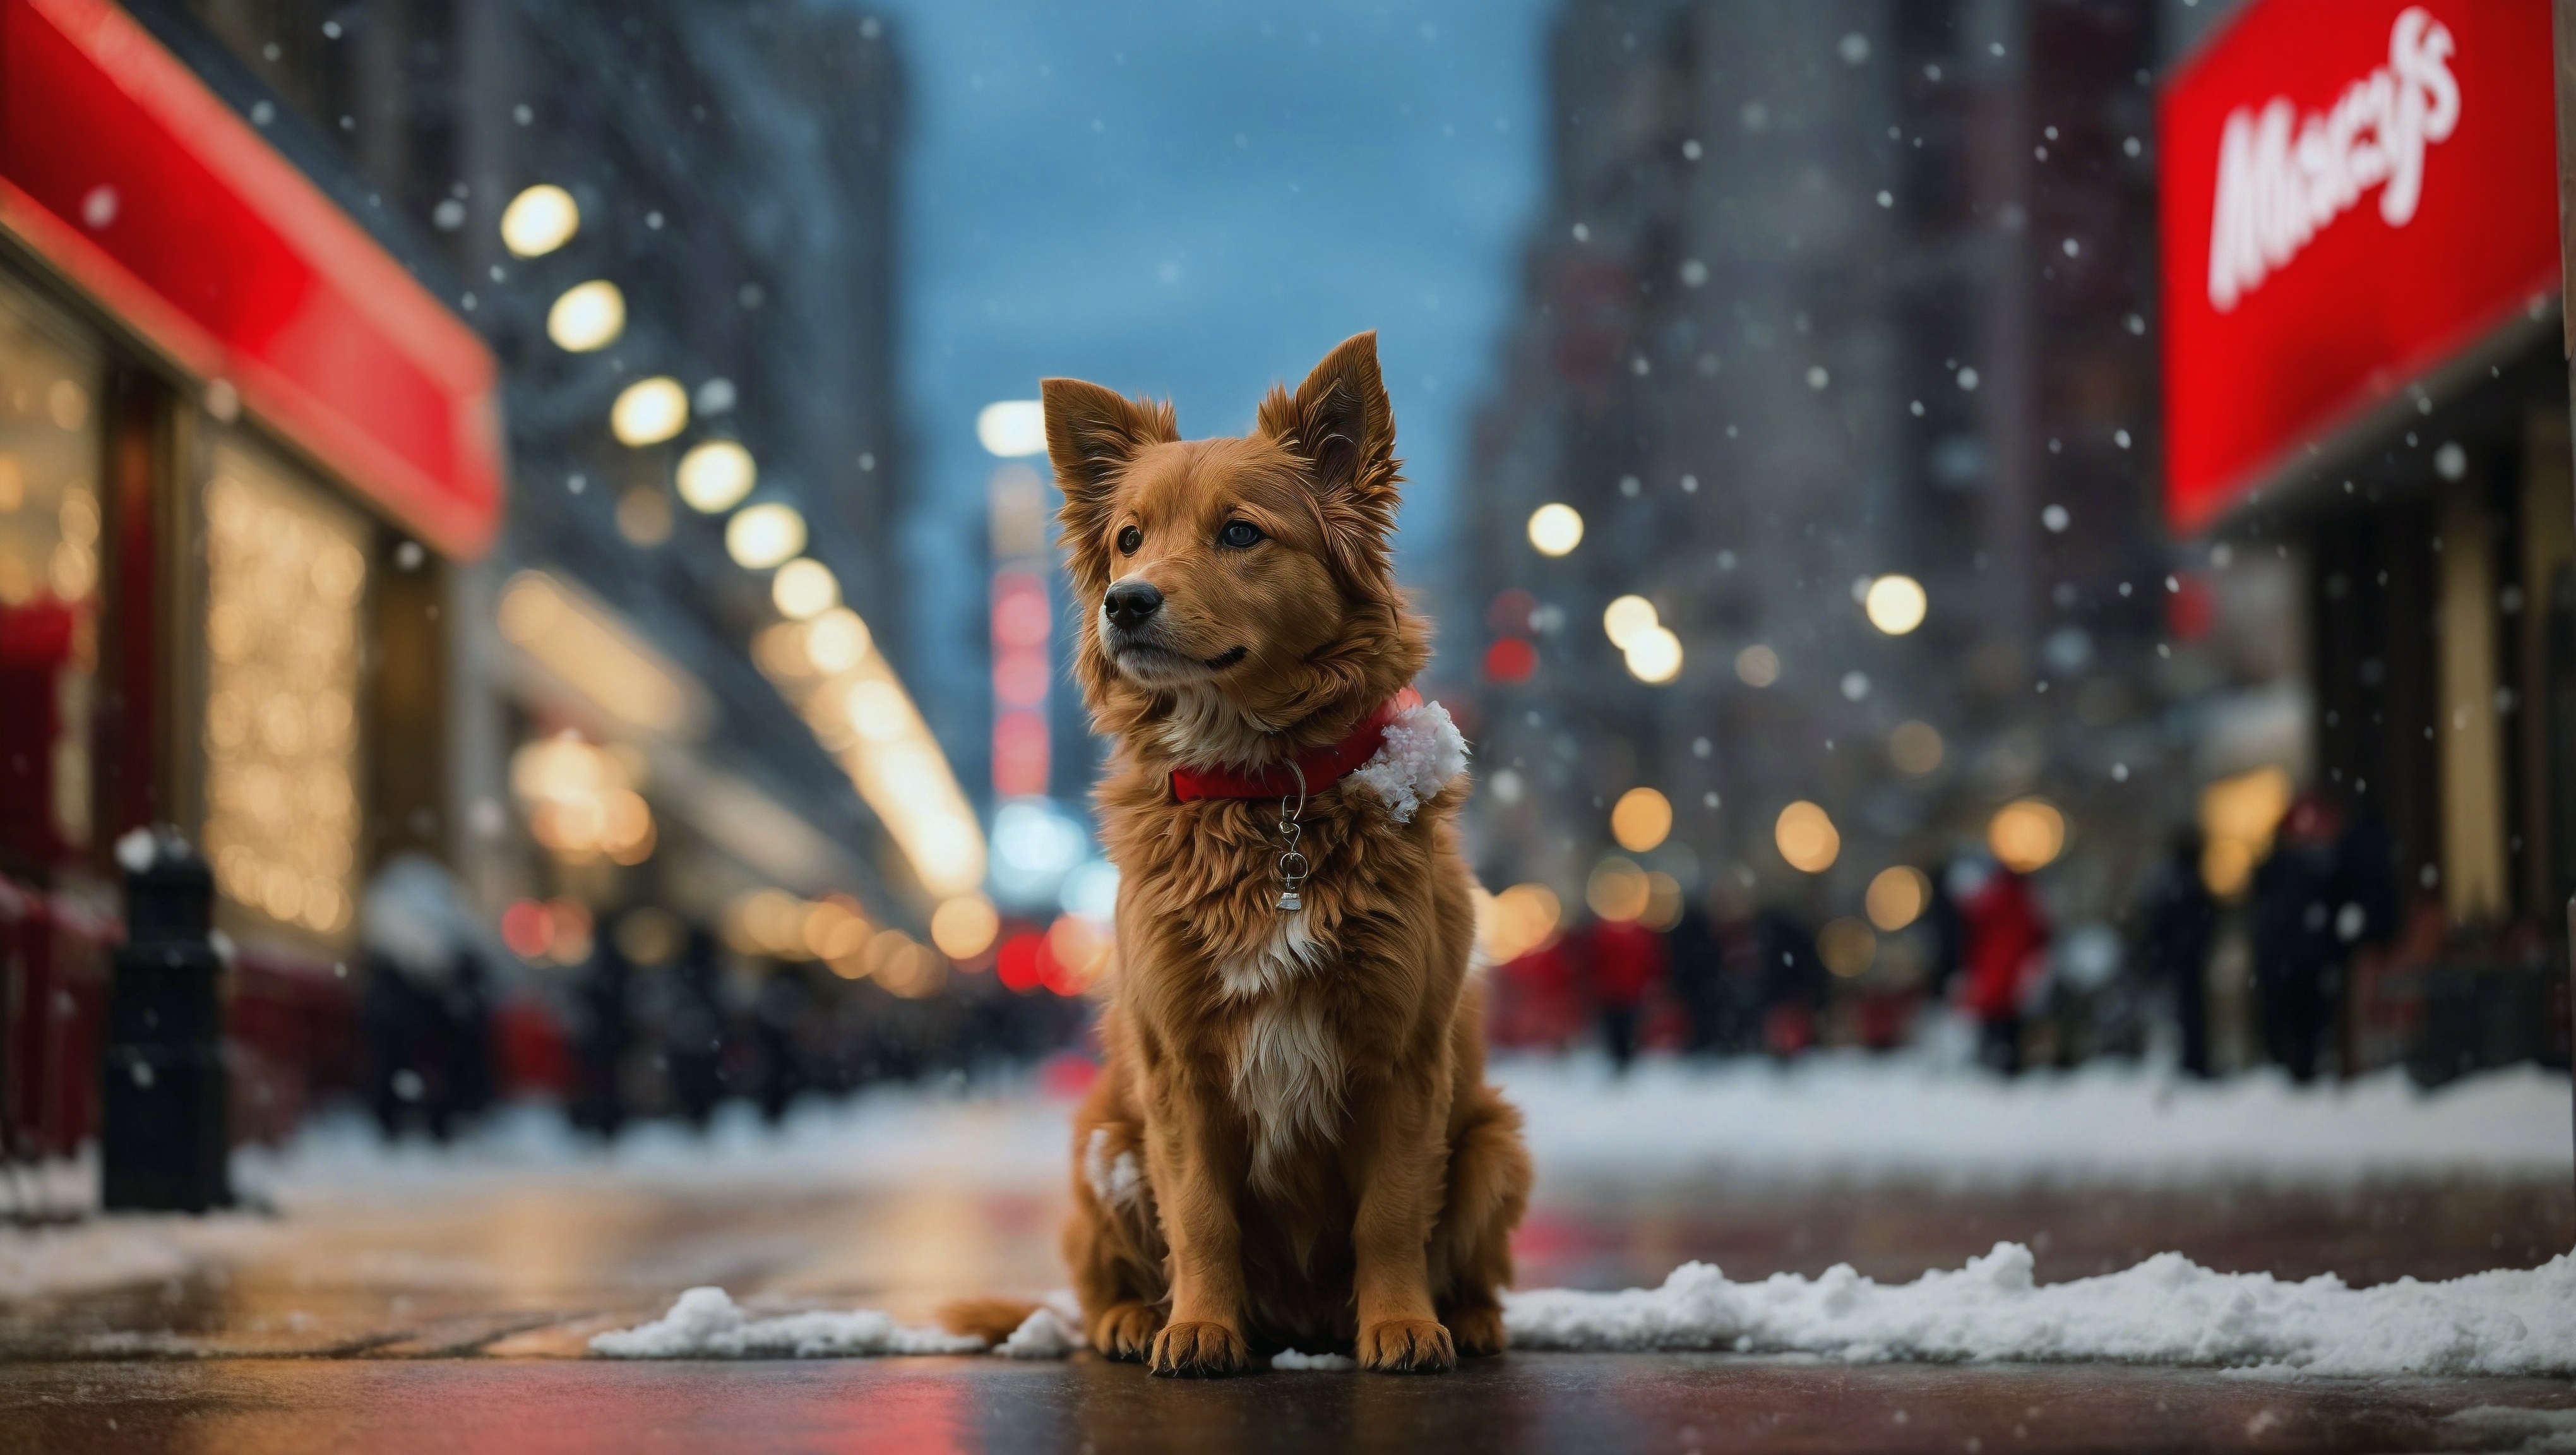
<point x="1407" y="1346"/>
<point x="1200" y="1351"/>
<point x="1477" y="1331"/>
<point x="1126" y="1330"/>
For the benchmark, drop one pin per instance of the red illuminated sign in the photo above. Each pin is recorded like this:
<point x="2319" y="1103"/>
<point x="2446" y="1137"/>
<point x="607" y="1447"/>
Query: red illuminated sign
<point x="124" y="171"/>
<point x="2353" y="191"/>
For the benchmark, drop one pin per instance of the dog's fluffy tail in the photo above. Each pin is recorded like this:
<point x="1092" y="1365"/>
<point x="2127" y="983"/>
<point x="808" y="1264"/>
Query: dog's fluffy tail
<point x="989" y="1319"/>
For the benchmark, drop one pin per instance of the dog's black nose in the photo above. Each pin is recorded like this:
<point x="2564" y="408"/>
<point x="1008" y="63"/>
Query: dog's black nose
<point x="1129" y="603"/>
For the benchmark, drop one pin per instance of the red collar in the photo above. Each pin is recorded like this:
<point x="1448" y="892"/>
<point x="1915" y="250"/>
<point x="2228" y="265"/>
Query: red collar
<point x="1323" y="767"/>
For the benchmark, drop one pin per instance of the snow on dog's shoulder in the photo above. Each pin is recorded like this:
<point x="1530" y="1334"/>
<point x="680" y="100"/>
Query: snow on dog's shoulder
<point x="1421" y="752"/>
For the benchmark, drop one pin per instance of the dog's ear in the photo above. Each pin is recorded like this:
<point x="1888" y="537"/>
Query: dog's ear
<point x="1341" y="422"/>
<point x="1091" y="434"/>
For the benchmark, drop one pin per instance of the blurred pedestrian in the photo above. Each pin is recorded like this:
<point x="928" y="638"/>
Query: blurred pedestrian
<point x="2299" y="948"/>
<point x="784" y="1006"/>
<point x="2003" y="959"/>
<point x="602" y="1031"/>
<point x="1947" y="933"/>
<point x="424" y="1003"/>
<point x="693" y="1047"/>
<point x="1793" y="983"/>
<point x="2177" y="926"/>
<point x="1622" y="962"/>
<point x="1695" y="959"/>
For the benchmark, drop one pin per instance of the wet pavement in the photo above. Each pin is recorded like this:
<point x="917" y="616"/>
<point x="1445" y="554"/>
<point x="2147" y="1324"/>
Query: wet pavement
<point x="456" y="1317"/>
<point x="1519" y="1402"/>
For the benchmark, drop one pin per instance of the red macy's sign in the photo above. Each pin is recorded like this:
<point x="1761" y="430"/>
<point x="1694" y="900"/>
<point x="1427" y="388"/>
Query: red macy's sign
<point x="2354" y="191"/>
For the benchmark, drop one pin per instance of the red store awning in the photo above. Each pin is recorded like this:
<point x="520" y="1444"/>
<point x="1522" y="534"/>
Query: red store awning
<point x="2354" y="193"/>
<point x="123" y="170"/>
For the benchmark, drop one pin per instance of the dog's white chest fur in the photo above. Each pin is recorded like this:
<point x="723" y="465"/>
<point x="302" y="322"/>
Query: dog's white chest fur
<point x="1288" y="1065"/>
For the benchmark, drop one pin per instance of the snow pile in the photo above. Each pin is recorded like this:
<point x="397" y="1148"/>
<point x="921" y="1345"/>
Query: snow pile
<point x="706" y="1322"/>
<point x="1053" y="1331"/>
<point x="1896" y="1117"/>
<point x="2167" y="1310"/>
<point x="1419" y="754"/>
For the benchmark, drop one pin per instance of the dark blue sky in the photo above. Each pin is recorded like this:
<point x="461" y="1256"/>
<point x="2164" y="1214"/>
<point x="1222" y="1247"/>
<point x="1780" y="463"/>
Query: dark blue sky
<point x="1195" y="200"/>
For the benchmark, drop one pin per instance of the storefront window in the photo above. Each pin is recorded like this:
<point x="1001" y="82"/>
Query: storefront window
<point x="50" y="386"/>
<point x="286" y="573"/>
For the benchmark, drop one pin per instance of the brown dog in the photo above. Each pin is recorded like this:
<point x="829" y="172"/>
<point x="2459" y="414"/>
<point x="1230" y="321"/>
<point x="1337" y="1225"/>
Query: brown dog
<point x="1291" y="1143"/>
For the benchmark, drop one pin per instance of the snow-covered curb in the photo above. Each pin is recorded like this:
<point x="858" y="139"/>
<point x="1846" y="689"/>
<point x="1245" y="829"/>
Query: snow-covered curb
<point x="1902" y="1118"/>
<point x="122" y="1251"/>
<point x="2167" y="1310"/>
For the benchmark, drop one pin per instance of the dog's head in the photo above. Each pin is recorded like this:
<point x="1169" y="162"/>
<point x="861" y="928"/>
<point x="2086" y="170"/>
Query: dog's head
<point x="1239" y="600"/>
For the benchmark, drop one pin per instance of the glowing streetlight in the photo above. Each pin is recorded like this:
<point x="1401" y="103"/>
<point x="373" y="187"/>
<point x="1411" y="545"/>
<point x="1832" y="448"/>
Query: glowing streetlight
<point x="716" y="475"/>
<point x="804" y="588"/>
<point x="964" y="927"/>
<point x="762" y="536"/>
<point x="1897" y="896"/>
<point x="1807" y="838"/>
<point x="650" y="411"/>
<point x="588" y="316"/>
<point x="1012" y="428"/>
<point x="1655" y="656"/>
<point x="539" y="220"/>
<point x="1895" y="604"/>
<point x="1555" y="529"/>
<point x="1627" y="619"/>
<point x="2027" y="834"/>
<point x="1641" y="819"/>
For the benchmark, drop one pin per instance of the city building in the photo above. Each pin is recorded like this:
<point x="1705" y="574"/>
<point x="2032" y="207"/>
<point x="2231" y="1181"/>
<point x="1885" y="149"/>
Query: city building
<point x="1838" y="357"/>
<point x="2366" y="400"/>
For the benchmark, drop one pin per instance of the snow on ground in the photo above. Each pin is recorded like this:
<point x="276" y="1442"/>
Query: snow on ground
<point x="2167" y="1310"/>
<point x="1897" y="1117"/>
<point x="117" y="1252"/>
<point x="1832" y="1116"/>
<point x="1828" y="1117"/>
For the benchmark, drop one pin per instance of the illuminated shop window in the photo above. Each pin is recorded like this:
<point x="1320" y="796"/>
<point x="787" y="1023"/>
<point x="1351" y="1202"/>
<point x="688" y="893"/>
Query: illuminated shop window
<point x="49" y="581"/>
<point x="286" y="575"/>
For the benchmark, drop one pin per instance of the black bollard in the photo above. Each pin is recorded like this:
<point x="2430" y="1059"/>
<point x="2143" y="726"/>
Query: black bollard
<point x="163" y="1092"/>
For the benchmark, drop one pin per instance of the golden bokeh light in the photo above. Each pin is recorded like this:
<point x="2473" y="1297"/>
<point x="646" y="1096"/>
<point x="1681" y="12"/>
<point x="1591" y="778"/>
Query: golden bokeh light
<point x="649" y="411"/>
<point x="1617" y="890"/>
<point x="761" y="536"/>
<point x="1655" y="656"/>
<point x="1897" y="896"/>
<point x="1663" y="901"/>
<point x="1915" y="747"/>
<point x="804" y="588"/>
<point x="539" y="220"/>
<point x="1627" y="619"/>
<point x="1847" y="947"/>
<point x="2238" y="817"/>
<point x="1555" y="529"/>
<point x="963" y="926"/>
<point x="715" y="475"/>
<point x="1516" y="921"/>
<point x="1757" y="666"/>
<point x="2027" y="834"/>
<point x="1641" y="819"/>
<point x="1895" y="604"/>
<point x="1807" y="838"/>
<point x="587" y="316"/>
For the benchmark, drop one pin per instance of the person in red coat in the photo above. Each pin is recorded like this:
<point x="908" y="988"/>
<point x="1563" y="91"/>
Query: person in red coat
<point x="2005" y="956"/>
<point x="1622" y="963"/>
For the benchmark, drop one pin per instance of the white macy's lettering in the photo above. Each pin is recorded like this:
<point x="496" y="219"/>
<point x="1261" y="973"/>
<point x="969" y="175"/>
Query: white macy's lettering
<point x="2276" y="191"/>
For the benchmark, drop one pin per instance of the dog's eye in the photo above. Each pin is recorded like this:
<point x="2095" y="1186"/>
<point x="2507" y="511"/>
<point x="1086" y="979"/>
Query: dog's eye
<point x="1129" y="539"/>
<point x="1239" y="534"/>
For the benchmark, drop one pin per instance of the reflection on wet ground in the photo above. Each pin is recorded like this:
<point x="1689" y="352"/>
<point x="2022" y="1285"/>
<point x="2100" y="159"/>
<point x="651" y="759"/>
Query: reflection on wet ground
<point x="456" y="1320"/>
<point x="1520" y="1402"/>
